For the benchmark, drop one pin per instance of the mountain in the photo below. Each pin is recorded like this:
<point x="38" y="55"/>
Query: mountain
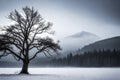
<point x="78" y="40"/>
<point x="110" y="43"/>
<point x="83" y="34"/>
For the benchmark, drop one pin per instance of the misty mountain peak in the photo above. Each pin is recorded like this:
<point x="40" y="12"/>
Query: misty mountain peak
<point x="78" y="40"/>
<point x="83" y="34"/>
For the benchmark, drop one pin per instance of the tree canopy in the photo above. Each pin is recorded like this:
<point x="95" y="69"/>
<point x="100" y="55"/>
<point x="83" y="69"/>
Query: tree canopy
<point x="20" y="38"/>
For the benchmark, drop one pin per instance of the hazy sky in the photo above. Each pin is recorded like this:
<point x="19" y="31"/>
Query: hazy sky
<point x="101" y="17"/>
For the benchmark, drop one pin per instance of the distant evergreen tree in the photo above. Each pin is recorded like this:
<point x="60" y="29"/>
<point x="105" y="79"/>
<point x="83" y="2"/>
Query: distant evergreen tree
<point x="97" y="58"/>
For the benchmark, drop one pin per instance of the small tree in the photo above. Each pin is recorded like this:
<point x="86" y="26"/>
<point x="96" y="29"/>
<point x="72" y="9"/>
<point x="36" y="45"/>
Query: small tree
<point x="20" y="38"/>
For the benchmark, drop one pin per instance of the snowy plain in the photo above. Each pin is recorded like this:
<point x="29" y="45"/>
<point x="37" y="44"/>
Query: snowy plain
<point x="61" y="74"/>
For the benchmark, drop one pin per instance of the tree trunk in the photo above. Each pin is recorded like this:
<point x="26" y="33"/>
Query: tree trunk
<point x="25" y="68"/>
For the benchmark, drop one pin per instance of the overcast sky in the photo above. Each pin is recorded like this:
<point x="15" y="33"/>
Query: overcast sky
<point x="101" y="17"/>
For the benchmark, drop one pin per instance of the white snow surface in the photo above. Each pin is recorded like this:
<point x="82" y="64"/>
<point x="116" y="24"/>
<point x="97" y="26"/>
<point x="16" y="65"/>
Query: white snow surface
<point x="61" y="74"/>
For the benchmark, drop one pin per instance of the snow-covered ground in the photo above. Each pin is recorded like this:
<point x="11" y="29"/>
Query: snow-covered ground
<point x="61" y="74"/>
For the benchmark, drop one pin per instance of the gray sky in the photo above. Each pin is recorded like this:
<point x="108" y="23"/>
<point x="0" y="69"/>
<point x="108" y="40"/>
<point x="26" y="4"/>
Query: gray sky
<point x="101" y="17"/>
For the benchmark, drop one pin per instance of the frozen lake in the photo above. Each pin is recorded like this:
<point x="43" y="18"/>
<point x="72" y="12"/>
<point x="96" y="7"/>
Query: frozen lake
<point x="61" y="74"/>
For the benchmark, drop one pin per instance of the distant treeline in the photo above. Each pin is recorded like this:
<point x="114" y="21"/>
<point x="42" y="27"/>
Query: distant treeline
<point x="101" y="58"/>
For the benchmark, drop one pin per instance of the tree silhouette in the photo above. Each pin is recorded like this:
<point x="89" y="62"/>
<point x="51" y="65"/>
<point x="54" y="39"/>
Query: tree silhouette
<point x="24" y="36"/>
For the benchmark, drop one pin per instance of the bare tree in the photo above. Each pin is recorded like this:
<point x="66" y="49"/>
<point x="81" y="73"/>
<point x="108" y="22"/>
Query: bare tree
<point x="20" y="38"/>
